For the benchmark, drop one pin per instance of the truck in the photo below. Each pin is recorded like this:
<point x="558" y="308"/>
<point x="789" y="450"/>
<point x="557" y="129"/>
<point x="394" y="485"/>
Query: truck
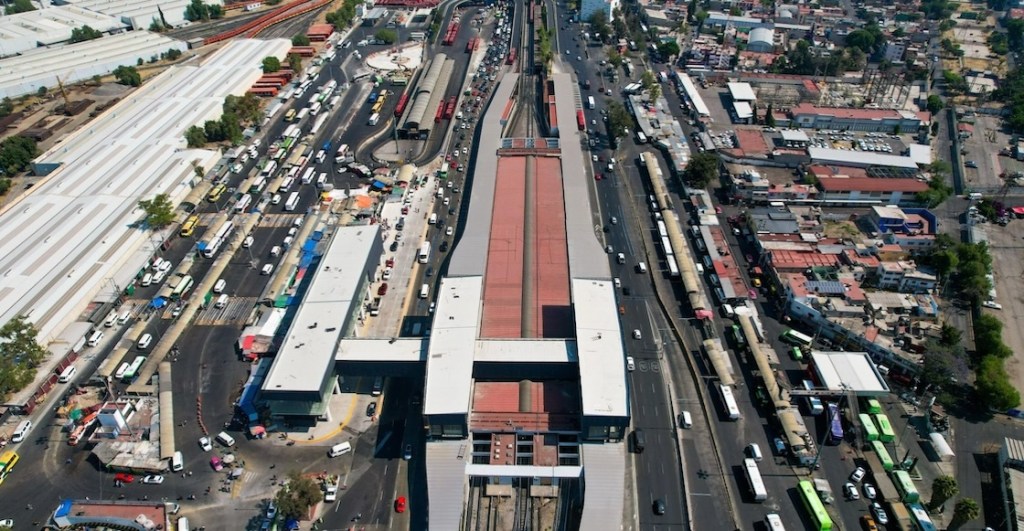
<point x="824" y="490"/>
<point x="330" y="486"/>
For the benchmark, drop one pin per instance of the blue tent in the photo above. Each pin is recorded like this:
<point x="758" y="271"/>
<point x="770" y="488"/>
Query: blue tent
<point x="158" y="303"/>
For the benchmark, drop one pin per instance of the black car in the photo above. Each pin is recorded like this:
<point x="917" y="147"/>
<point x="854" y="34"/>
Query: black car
<point x="371" y="409"/>
<point x="394" y="246"/>
<point x="659" y="507"/>
<point x="444" y="246"/>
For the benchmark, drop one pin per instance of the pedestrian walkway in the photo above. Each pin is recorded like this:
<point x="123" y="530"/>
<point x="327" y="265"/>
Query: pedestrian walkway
<point x="278" y="220"/>
<point x="236" y="312"/>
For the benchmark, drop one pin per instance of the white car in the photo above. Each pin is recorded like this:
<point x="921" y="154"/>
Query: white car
<point x="869" y="491"/>
<point x="857" y="475"/>
<point x="851" y="492"/>
<point x="880" y="515"/>
<point x="449" y="231"/>
<point x="636" y="334"/>
<point x="387" y="274"/>
<point x="204" y="443"/>
<point x="7" y="523"/>
<point x="153" y="480"/>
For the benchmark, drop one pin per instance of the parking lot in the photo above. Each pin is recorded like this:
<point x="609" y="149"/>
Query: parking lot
<point x="1004" y="244"/>
<point x="983" y="162"/>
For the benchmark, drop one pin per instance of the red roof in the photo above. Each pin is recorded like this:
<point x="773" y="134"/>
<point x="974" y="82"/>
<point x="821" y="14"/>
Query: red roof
<point x="843" y="112"/>
<point x="871" y="184"/>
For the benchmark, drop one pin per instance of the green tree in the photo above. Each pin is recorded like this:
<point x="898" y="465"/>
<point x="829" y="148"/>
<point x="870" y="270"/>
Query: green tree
<point x="993" y="385"/>
<point x="156" y="26"/>
<point x="387" y="36"/>
<point x="618" y="119"/>
<point x="127" y="75"/>
<point x="943" y="488"/>
<point x="935" y="104"/>
<point x="197" y="10"/>
<point x="615" y="58"/>
<point x="701" y="170"/>
<point x="647" y="81"/>
<point x="172" y="54"/>
<point x="271" y="64"/>
<point x="294" y="62"/>
<point x="20" y="355"/>
<point x="297" y="496"/>
<point x="6" y="107"/>
<point x="669" y="49"/>
<point x="966" y="509"/>
<point x="16" y="152"/>
<point x="19" y="6"/>
<point x="246" y="107"/>
<point x="862" y="39"/>
<point x="300" y="40"/>
<point x="598" y="21"/>
<point x="769" y="116"/>
<point x="159" y="211"/>
<point x="85" y="33"/>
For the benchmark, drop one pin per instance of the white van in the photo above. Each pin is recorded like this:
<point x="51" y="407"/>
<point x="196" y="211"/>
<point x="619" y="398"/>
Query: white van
<point x="275" y="250"/>
<point x="641" y="267"/>
<point x="111" y="319"/>
<point x="433" y="219"/>
<point x="22" y="431"/>
<point x="67" y="374"/>
<point x="754" y="451"/>
<point x="219" y="286"/>
<point x="95" y="338"/>
<point x="222" y="301"/>
<point x="424" y="291"/>
<point x="339" y="449"/>
<point x="177" y="462"/>
<point x="225" y="439"/>
<point x="144" y="341"/>
<point x="119" y="374"/>
<point x="124" y="317"/>
<point x="685" y="419"/>
<point x="267" y="269"/>
<point x="147" y="279"/>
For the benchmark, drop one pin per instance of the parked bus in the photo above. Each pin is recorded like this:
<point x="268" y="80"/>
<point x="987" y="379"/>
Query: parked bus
<point x="835" y="420"/>
<point x="883" y="485"/>
<point x="905" y="486"/>
<point x="8" y="460"/>
<point x="218" y="239"/>
<point x="796" y="338"/>
<point x="773" y="522"/>
<point x="867" y="426"/>
<point x="443" y="172"/>
<point x="899" y="517"/>
<point x="729" y="402"/>
<point x="292" y="202"/>
<point x="258" y="185"/>
<point x="216" y="193"/>
<point x="885" y="433"/>
<point x="133" y="369"/>
<point x="591" y="104"/>
<point x="641" y="138"/>
<point x="307" y="176"/>
<point x="243" y="203"/>
<point x="290" y="115"/>
<point x="315" y="108"/>
<point x="921" y="518"/>
<point x="189" y="227"/>
<point x="424" y="255"/>
<point x="374" y="119"/>
<point x="883" y="456"/>
<point x="820" y="520"/>
<point x="183" y="287"/>
<point x="754" y="480"/>
<point x="872" y="406"/>
<point x="673" y="268"/>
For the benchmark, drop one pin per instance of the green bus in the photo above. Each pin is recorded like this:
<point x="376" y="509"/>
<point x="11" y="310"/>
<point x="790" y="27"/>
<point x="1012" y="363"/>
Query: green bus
<point x="796" y="338"/>
<point x="885" y="433"/>
<point x="905" y="486"/>
<point x="868" y="427"/>
<point x="133" y="369"/>
<point x="796" y="353"/>
<point x="872" y="406"/>
<point x="883" y="455"/>
<point x="820" y="520"/>
<point x="737" y="337"/>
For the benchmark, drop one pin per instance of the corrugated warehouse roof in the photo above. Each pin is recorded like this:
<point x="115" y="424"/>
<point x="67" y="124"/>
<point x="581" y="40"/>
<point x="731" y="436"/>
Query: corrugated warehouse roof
<point x="308" y="351"/>
<point x="848" y="371"/>
<point x="600" y="349"/>
<point x="140" y="13"/>
<point x="40" y="67"/>
<point x="449" y="381"/>
<point x="859" y="158"/>
<point x="42" y="27"/>
<point x="604" y="471"/>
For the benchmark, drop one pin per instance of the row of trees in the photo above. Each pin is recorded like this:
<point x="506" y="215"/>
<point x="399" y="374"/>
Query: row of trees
<point x="197" y="11"/>
<point x="19" y="6"/>
<point x="238" y="111"/>
<point x="342" y="18"/>
<point x="85" y="33"/>
<point x="966" y="509"/>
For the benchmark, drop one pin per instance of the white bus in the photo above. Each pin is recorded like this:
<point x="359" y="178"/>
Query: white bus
<point x="329" y="86"/>
<point x="243" y="203"/>
<point x="292" y="202"/>
<point x="269" y="168"/>
<point x="302" y="114"/>
<point x="286" y="184"/>
<point x="318" y="123"/>
<point x="673" y="268"/>
<point x="290" y="131"/>
<point x="754" y="480"/>
<point x="342" y="154"/>
<point x="591" y="104"/>
<point x="307" y="176"/>
<point x="729" y="402"/>
<point x="424" y="255"/>
<point x="258" y="185"/>
<point x="315" y="108"/>
<point x="321" y="180"/>
<point x="218" y="239"/>
<point x="773" y="522"/>
<point x="374" y="118"/>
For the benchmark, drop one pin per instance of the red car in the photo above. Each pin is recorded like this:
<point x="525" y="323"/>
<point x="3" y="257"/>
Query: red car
<point x="400" y="504"/>
<point x="382" y="290"/>
<point x="123" y="477"/>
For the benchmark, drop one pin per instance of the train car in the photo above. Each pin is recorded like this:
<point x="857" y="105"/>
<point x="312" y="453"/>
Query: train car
<point x="403" y="100"/>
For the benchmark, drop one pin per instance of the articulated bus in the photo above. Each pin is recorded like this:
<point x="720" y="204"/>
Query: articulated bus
<point x="216" y="193"/>
<point x="820" y="520"/>
<point x="754" y="480"/>
<point x="796" y="338"/>
<point x="189" y="227"/>
<point x="7" y="462"/>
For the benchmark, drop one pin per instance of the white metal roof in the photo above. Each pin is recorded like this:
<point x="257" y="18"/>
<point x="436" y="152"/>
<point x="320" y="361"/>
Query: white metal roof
<point x="446" y="481"/>
<point x="848" y="371"/>
<point x="51" y="25"/>
<point x="519" y="471"/>
<point x="404" y="349"/>
<point x="743" y="110"/>
<point x="859" y="158"/>
<point x="533" y="351"/>
<point x="307" y="352"/>
<point x="741" y="92"/>
<point x="794" y="135"/>
<point x="449" y="382"/>
<point x="41" y="67"/>
<point x="604" y="472"/>
<point x="690" y="90"/>
<point x="140" y="13"/>
<point x="601" y="352"/>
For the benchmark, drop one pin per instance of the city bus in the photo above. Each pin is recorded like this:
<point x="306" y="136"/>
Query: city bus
<point x="835" y="420"/>
<point x="884" y="486"/>
<point x="868" y="427"/>
<point x="905" y="486"/>
<point x="292" y="202"/>
<point x="216" y="193"/>
<point x="424" y="255"/>
<point x="754" y="480"/>
<point x="7" y="462"/>
<point x="796" y="338"/>
<point x="133" y="369"/>
<point x="885" y="433"/>
<point x="268" y="170"/>
<point x="189" y="227"/>
<point x="307" y="176"/>
<point x="773" y="522"/>
<point x="883" y="456"/>
<point x="729" y="402"/>
<point x="899" y="517"/>
<point x="873" y="406"/>
<point x="290" y="115"/>
<point x="258" y="185"/>
<point x="243" y="203"/>
<point x="921" y="518"/>
<point x="820" y="520"/>
<point x="443" y="172"/>
<point x="214" y="243"/>
<point x="183" y="287"/>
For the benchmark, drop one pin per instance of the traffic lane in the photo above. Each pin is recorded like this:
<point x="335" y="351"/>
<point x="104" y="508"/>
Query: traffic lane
<point x="243" y="274"/>
<point x="660" y="473"/>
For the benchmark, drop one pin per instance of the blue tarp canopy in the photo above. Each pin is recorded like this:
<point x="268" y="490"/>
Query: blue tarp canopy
<point x="158" y="303"/>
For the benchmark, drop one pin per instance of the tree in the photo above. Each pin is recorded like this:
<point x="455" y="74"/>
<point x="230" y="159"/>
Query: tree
<point x="966" y="510"/>
<point x="647" y="80"/>
<point x="598" y="21"/>
<point x="127" y="75"/>
<point x="6" y="107"/>
<point x="387" y="36"/>
<point x="19" y="6"/>
<point x="300" y="40"/>
<point x="197" y="10"/>
<point x="85" y="33"/>
<point x="295" y="62"/>
<point x="16" y="152"/>
<point x="159" y="211"/>
<point x="156" y="26"/>
<point x="246" y="107"/>
<point x="297" y="496"/>
<point x="20" y="354"/>
<point x="993" y="385"/>
<point x="701" y="170"/>
<point x="943" y="488"/>
<point x="668" y="49"/>
<point x="172" y="54"/>
<point x="618" y="119"/>
<point x="862" y="39"/>
<point x="935" y="104"/>
<point x="769" y="116"/>
<point x="614" y="58"/>
<point x="271" y="64"/>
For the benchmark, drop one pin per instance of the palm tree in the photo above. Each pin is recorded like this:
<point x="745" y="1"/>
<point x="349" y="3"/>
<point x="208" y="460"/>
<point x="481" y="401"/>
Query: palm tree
<point x="943" y="488"/>
<point x="965" y="511"/>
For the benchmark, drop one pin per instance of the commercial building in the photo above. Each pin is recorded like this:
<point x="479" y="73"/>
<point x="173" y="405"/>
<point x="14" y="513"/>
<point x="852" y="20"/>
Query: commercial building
<point x="845" y="119"/>
<point x="140" y="14"/>
<point x="52" y="25"/>
<point x="589" y="7"/>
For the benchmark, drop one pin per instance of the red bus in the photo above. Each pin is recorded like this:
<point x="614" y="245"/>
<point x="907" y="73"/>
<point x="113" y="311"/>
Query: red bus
<point x="511" y="57"/>
<point x="402" y="101"/>
<point x="581" y="121"/>
<point x="449" y="108"/>
<point x="440" y="112"/>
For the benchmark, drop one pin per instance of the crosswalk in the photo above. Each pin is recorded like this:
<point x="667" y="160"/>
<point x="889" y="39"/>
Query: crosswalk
<point x="235" y="313"/>
<point x="278" y="220"/>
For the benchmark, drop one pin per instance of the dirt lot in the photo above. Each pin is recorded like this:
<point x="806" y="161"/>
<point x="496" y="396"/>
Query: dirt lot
<point x="1007" y="250"/>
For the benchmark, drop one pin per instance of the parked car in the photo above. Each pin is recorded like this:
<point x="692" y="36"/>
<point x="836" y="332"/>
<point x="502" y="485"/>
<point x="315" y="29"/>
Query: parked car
<point x="124" y="477"/>
<point x="204" y="443"/>
<point x="857" y="475"/>
<point x="154" y="479"/>
<point x="850" y="491"/>
<point x="400" y="504"/>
